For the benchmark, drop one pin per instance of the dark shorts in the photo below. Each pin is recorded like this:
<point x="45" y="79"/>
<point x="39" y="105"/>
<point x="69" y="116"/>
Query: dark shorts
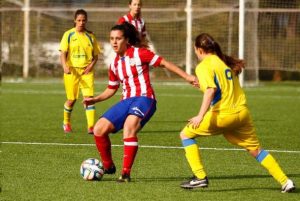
<point x="142" y="107"/>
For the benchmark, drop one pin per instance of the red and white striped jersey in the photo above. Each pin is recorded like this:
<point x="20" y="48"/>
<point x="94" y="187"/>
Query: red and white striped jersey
<point x="138" y="23"/>
<point x="132" y="71"/>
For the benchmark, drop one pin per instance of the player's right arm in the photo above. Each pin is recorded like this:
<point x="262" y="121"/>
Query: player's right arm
<point x="106" y="94"/>
<point x="112" y="88"/>
<point x="63" y="60"/>
<point x="64" y="47"/>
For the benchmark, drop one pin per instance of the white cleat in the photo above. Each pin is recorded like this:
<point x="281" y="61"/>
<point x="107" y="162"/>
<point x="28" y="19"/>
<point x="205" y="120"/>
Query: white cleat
<point x="288" y="187"/>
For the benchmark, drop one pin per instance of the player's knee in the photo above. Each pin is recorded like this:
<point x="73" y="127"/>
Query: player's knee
<point x="70" y="103"/>
<point x="254" y="153"/>
<point x="102" y="128"/>
<point x="182" y="135"/>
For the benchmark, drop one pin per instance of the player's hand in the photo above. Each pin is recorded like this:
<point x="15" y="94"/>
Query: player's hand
<point x="67" y="70"/>
<point x="195" y="83"/>
<point x="195" y="121"/>
<point x="192" y="80"/>
<point x="88" y="101"/>
<point x="87" y="70"/>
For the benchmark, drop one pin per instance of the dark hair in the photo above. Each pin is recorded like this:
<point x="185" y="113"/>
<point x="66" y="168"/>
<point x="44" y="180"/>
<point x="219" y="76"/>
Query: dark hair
<point x="130" y="33"/>
<point x="130" y="1"/>
<point x="81" y="12"/>
<point x="209" y="45"/>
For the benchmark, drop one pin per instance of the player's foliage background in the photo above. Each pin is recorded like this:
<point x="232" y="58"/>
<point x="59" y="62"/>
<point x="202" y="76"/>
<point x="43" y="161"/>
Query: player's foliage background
<point x="32" y="113"/>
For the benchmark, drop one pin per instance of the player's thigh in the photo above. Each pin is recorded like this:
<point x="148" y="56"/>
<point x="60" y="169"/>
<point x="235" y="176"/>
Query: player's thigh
<point x="71" y="82"/>
<point x="142" y="107"/>
<point x="207" y="127"/>
<point x="132" y="125"/>
<point x="117" y="114"/>
<point x="103" y="127"/>
<point x="87" y="84"/>
<point x="243" y="132"/>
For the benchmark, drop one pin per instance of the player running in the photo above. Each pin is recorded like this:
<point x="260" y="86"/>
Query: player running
<point x="223" y="111"/>
<point x="79" y="54"/>
<point x="130" y="68"/>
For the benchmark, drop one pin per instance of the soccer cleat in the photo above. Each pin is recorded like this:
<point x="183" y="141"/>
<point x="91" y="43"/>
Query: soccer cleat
<point x="124" y="178"/>
<point x="288" y="187"/>
<point x="91" y="130"/>
<point x="67" y="128"/>
<point x="195" y="183"/>
<point x="111" y="170"/>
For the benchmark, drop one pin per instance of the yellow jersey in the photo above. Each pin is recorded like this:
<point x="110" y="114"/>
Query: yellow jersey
<point x="212" y="72"/>
<point x="81" y="47"/>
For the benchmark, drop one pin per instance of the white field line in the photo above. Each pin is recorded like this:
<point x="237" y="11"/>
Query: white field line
<point x="142" y="146"/>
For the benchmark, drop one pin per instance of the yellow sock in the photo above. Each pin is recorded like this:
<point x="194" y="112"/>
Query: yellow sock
<point x="90" y="115"/>
<point x="268" y="162"/>
<point x="193" y="157"/>
<point x="67" y="114"/>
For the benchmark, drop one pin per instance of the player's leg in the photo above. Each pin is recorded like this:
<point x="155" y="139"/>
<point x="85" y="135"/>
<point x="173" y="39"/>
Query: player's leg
<point x="102" y="129"/>
<point x="68" y="108"/>
<point x="140" y="112"/>
<point x="130" y="139"/>
<point x="87" y="88"/>
<point x="192" y="153"/>
<point x="71" y="82"/>
<point x="245" y="136"/>
<point x="110" y="122"/>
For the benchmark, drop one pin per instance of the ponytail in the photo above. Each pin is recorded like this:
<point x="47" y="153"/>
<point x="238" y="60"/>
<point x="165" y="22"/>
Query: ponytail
<point x="209" y="45"/>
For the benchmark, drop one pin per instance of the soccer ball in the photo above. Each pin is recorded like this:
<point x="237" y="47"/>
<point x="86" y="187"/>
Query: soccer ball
<point x="91" y="169"/>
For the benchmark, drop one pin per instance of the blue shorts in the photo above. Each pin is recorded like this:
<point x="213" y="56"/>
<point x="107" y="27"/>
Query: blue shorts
<point x="142" y="107"/>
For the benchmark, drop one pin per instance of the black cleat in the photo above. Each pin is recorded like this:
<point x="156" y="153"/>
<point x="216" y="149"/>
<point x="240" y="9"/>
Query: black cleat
<point x="195" y="183"/>
<point x="124" y="178"/>
<point x="111" y="170"/>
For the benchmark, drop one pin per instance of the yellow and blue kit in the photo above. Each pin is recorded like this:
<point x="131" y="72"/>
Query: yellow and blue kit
<point x="80" y="49"/>
<point x="228" y="115"/>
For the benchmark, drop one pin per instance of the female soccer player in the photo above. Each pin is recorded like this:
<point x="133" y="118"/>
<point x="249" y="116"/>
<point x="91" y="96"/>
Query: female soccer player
<point x="130" y="68"/>
<point x="79" y="54"/>
<point x="223" y="111"/>
<point x="134" y="17"/>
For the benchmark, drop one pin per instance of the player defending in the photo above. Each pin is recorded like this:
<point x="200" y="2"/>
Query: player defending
<point x="130" y="68"/>
<point x="79" y="54"/>
<point x="223" y="111"/>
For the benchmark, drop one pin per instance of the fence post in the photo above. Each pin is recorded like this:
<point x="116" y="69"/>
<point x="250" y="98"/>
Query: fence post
<point x="241" y="36"/>
<point x="189" y="21"/>
<point x="26" y="10"/>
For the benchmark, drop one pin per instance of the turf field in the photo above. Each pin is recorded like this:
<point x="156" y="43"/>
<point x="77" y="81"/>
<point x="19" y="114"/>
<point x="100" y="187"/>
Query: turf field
<point x="39" y="162"/>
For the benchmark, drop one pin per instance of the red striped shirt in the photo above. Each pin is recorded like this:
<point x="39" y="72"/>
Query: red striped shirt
<point x="132" y="71"/>
<point x="138" y="23"/>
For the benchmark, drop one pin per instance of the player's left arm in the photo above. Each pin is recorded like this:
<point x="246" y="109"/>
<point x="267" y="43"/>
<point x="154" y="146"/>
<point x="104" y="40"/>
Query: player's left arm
<point x="90" y="67"/>
<point x="96" y="52"/>
<point x="175" y="69"/>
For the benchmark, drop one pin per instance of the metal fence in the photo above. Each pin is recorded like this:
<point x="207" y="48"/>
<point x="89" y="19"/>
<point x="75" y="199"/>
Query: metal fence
<point x="32" y="29"/>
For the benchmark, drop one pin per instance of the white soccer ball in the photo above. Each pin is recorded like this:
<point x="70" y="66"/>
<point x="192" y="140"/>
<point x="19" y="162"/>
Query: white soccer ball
<point x="91" y="169"/>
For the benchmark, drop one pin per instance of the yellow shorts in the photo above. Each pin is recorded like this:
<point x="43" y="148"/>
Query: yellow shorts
<point x="77" y="80"/>
<point x="237" y="128"/>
